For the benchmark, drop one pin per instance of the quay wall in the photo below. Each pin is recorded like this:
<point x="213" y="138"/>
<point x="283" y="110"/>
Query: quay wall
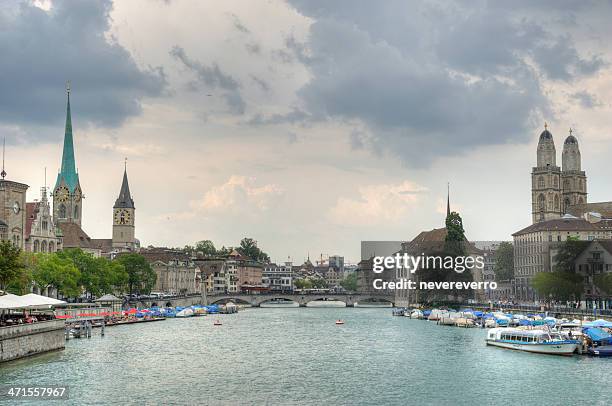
<point x="29" y="339"/>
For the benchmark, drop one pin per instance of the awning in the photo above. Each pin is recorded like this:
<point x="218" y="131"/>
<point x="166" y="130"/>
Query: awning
<point x="29" y="301"/>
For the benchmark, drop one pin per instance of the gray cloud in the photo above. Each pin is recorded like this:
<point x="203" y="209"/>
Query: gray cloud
<point x="261" y="83"/>
<point x="238" y="25"/>
<point x="40" y="50"/>
<point x="586" y="99"/>
<point x="212" y="77"/>
<point x="429" y="80"/>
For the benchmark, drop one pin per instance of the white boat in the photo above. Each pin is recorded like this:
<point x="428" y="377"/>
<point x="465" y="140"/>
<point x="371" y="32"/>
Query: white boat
<point x="416" y="314"/>
<point x="186" y="312"/>
<point x="538" y="341"/>
<point x="436" y="314"/>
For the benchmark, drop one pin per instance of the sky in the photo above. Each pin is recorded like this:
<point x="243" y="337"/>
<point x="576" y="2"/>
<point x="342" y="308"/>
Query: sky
<point x="308" y="125"/>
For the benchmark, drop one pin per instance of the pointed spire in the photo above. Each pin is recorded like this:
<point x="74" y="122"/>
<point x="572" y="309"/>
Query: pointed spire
<point x="124" y="200"/>
<point x="3" y="173"/>
<point x="68" y="171"/>
<point x="448" y="212"/>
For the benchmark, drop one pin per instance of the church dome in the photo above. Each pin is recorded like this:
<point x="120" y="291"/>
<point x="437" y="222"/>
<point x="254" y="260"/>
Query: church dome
<point x="570" y="140"/>
<point x="545" y="136"/>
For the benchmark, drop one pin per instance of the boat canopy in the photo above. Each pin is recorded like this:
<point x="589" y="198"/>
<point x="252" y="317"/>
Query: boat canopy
<point x="597" y="334"/>
<point x="599" y="323"/>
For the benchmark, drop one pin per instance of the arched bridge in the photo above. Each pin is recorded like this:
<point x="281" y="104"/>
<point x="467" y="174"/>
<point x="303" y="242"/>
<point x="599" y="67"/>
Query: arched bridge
<point x="257" y="299"/>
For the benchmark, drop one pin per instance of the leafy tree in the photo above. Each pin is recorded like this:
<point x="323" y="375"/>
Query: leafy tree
<point x="319" y="283"/>
<point x="11" y="264"/>
<point x="303" y="283"/>
<point x="567" y="253"/>
<point x="350" y="282"/>
<point x="558" y="285"/>
<point x="52" y="270"/>
<point x="504" y="261"/>
<point x="113" y="276"/>
<point x="206" y="248"/>
<point x="224" y="251"/>
<point x="248" y="248"/>
<point x="604" y="282"/>
<point x="89" y="268"/>
<point x="141" y="277"/>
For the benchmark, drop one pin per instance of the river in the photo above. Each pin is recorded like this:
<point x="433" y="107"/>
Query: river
<point x="299" y="356"/>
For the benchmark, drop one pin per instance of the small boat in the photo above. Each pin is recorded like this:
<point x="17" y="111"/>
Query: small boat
<point x="186" y="312"/>
<point x="602" y="351"/>
<point x="339" y="322"/>
<point x="538" y="341"/>
<point x="416" y="314"/>
<point x="217" y="323"/>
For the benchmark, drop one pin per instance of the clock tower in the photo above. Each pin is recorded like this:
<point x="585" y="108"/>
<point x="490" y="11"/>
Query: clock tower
<point x="67" y="193"/>
<point x="124" y="218"/>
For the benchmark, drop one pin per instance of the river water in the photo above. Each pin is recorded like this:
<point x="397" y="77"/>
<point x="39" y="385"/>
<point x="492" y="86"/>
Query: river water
<point x="299" y="356"/>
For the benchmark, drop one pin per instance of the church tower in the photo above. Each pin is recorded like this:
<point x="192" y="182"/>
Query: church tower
<point x="124" y="218"/>
<point x="67" y="193"/>
<point x="546" y="181"/>
<point x="573" y="178"/>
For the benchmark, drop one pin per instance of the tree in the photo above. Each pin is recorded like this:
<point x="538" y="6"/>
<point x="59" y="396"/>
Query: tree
<point x="248" y="248"/>
<point x="90" y="269"/>
<point x="11" y="264"/>
<point x="52" y="270"/>
<point x="141" y="277"/>
<point x="113" y="276"/>
<point x="206" y="248"/>
<point x="558" y="285"/>
<point x="604" y="282"/>
<point x="319" y="283"/>
<point x="350" y="282"/>
<point x="567" y="253"/>
<point x="504" y="261"/>
<point x="303" y="283"/>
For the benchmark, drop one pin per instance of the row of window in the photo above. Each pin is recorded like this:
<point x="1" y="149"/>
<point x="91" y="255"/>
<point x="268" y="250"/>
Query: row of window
<point x="42" y="246"/>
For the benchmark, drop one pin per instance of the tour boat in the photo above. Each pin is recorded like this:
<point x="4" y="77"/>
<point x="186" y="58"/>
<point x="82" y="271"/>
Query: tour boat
<point x="339" y="322"/>
<point x="217" y="323"/>
<point x="538" y="341"/>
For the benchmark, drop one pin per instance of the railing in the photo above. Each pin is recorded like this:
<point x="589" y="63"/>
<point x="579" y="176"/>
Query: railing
<point x="541" y="308"/>
<point x="82" y="312"/>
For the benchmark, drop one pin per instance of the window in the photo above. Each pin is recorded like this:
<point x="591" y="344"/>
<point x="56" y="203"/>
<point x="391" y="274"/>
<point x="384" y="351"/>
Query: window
<point x="541" y="182"/>
<point x="62" y="211"/>
<point x="76" y="212"/>
<point x="36" y="246"/>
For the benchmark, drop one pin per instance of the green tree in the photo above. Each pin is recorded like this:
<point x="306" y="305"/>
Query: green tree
<point x="604" y="282"/>
<point x="90" y="270"/>
<point x="141" y="277"/>
<point x="319" y="283"/>
<point x="350" y="282"/>
<point x="206" y="248"/>
<point x="52" y="270"/>
<point x="504" y="261"/>
<point x="558" y="285"/>
<point x="303" y="283"/>
<point x="113" y="276"/>
<point x="11" y="264"/>
<point x="567" y="253"/>
<point x="248" y="248"/>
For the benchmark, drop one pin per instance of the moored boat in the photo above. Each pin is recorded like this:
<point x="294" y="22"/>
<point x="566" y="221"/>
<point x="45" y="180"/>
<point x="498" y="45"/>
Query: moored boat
<point x="538" y="341"/>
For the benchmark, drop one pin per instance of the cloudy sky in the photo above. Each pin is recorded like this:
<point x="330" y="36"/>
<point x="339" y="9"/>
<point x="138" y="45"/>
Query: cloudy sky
<point x="307" y="125"/>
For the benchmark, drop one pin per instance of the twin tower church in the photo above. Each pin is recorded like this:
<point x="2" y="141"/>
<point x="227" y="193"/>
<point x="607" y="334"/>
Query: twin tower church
<point x="68" y="206"/>
<point x="560" y="191"/>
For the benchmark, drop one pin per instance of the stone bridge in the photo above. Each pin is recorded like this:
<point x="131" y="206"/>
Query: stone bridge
<point x="257" y="299"/>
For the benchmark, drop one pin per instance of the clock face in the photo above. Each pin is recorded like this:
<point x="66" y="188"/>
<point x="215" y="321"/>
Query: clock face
<point x="16" y="208"/>
<point x="62" y="194"/>
<point x="122" y="217"/>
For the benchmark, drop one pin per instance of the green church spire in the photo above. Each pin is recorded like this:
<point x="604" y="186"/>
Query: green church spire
<point x="68" y="171"/>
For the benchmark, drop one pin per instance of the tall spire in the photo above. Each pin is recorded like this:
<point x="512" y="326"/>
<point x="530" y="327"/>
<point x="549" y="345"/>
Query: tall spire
<point x="124" y="200"/>
<point x="68" y="171"/>
<point x="448" y="199"/>
<point x="3" y="173"/>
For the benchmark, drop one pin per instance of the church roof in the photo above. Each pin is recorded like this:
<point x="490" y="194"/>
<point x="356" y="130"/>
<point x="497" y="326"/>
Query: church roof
<point x="124" y="200"/>
<point x="570" y="140"/>
<point x="68" y="172"/>
<point x="603" y="208"/>
<point x="566" y="224"/>
<point x="74" y="236"/>
<point x="546" y="135"/>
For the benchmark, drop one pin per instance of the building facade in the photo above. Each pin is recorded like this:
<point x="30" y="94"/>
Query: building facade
<point x="534" y="246"/>
<point x="41" y="234"/>
<point x="12" y="211"/>
<point x="176" y="272"/>
<point x="278" y="278"/>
